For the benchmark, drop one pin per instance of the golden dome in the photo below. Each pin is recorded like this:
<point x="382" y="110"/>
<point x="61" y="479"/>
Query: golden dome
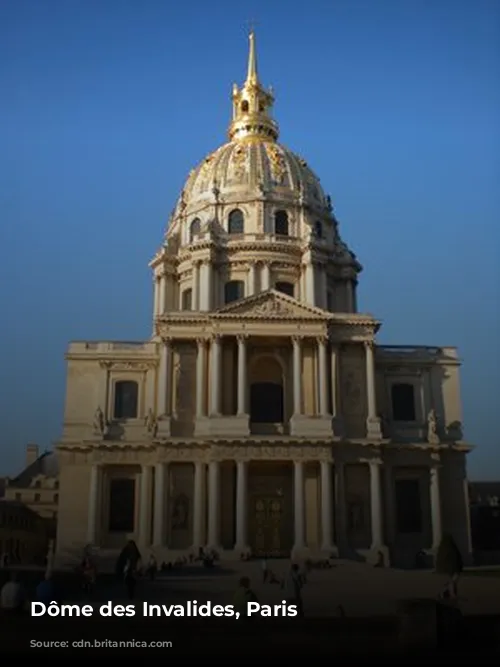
<point x="252" y="165"/>
<point x="258" y="167"/>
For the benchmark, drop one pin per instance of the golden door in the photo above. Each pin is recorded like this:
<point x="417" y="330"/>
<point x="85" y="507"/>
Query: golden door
<point x="267" y="526"/>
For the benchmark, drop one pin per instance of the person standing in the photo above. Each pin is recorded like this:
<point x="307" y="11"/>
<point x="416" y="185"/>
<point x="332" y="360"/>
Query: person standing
<point x="292" y="588"/>
<point x="243" y="596"/>
<point x="127" y="567"/>
<point x="12" y="596"/>
<point x="265" y="570"/>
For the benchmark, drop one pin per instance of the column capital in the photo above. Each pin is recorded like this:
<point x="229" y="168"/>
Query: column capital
<point x="215" y="338"/>
<point x="322" y="340"/>
<point x="242" y="338"/>
<point x="297" y="340"/>
<point x="369" y="344"/>
<point x="167" y="340"/>
<point x="201" y="341"/>
<point x="372" y="462"/>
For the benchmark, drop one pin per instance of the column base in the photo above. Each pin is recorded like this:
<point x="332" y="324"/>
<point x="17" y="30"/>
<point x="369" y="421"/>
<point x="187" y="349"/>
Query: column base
<point x="163" y="427"/>
<point x="300" y="552"/>
<point x="242" y="550"/>
<point x="378" y="556"/>
<point x="311" y="426"/>
<point x="329" y="551"/>
<point x="373" y="428"/>
<point x="232" y="426"/>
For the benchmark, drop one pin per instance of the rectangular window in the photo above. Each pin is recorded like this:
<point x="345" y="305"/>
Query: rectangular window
<point x="403" y="402"/>
<point x="408" y="506"/>
<point x="121" y="505"/>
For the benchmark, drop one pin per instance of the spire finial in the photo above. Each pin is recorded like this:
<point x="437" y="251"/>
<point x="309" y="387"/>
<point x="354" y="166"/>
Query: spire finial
<point x="252" y="76"/>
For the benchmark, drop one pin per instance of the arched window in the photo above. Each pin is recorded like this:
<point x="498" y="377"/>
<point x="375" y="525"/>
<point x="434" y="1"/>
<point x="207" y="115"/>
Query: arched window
<point x="187" y="299"/>
<point x="235" y="222"/>
<point x="403" y="402"/>
<point x="234" y="290"/>
<point x="194" y="229"/>
<point x="126" y="399"/>
<point x="318" y="229"/>
<point x="286" y="288"/>
<point x="281" y="223"/>
<point x="244" y="106"/>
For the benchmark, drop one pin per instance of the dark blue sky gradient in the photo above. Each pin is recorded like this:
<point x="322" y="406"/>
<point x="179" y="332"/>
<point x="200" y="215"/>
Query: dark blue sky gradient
<point x="107" y="105"/>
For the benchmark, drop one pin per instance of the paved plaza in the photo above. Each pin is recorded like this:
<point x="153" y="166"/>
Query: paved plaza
<point x="360" y="589"/>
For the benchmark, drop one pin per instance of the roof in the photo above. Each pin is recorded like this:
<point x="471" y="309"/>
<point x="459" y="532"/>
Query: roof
<point x="480" y="492"/>
<point x="19" y="507"/>
<point x="46" y="465"/>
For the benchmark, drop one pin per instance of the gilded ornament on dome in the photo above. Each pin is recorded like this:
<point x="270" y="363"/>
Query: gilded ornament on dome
<point x="238" y="167"/>
<point x="277" y="163"/>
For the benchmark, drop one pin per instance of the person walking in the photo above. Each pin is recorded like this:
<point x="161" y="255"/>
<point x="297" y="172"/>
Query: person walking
<point x="292" y="588"/>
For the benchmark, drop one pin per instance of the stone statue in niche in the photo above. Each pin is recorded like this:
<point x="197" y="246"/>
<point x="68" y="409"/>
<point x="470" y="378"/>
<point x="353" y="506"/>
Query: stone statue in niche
<point x="151" y="423"/>
<point x="432" y="435"/>
<point x="180" y="512"/>
<point x="99" y="423"/>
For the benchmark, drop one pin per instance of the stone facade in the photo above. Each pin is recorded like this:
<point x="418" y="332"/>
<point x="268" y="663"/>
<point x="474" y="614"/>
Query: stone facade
<point x="261" y="416"/>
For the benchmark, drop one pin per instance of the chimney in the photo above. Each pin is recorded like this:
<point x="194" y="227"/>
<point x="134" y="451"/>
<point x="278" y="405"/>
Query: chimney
<point x="31" y="454"/>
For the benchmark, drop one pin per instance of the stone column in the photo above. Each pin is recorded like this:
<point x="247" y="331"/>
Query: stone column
<point x="435" y="505"/>
<point x="215" y="375"/>
<point x="214" y="505"/>
<point x="241" y="506"/>
<point x="349" y="296"/>
<point x="200" y="377"/>
<point x="198" y="513"/>
<point x="242" y="375"/>
<point x="145" y="506"/>
<point x="162" y="293"/>
<point x="340" y="507"/>
<point x="265" y="277"/>
<point x="297" y="375"/>
<point x="322" y="376"/>
<point x="161" y="475"/>
<point x="205" y="286"/>
<point x="334" y="380"/>
<point x="93" y="526"/>
<point x="324" y="287"/>
<point x="107" y="410"/>
<point x="195" y="294"/>
<point x="156" y="296"/>
<point x="299" y="507"/>
<point x="251" y="279"/>
<point x="326" y="507"/>
<point x="376" y="504"/>
<point x="373" y="422"/>
<point x="164" y="403"/>
<point x="390" y="524"/>
<point x="310" y="287"/>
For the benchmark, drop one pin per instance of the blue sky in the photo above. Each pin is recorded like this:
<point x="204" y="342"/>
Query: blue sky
<point x="107" y="105"/>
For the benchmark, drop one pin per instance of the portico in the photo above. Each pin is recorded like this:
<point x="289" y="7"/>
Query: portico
<point x="299" y="334"/>
<point x="288" y="498"/>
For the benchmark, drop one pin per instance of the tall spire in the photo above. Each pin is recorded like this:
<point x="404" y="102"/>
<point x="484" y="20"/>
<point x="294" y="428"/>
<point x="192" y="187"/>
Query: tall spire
<point x="252" y="76"/>
<point x="252" y="104"/>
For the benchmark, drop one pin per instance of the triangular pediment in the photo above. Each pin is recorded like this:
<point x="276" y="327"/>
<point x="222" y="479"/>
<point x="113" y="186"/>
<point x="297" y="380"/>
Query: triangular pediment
<point x="272" y="305"/>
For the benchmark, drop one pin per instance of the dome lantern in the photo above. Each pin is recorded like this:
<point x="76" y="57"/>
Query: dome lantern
<point x="252" y="104"/>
